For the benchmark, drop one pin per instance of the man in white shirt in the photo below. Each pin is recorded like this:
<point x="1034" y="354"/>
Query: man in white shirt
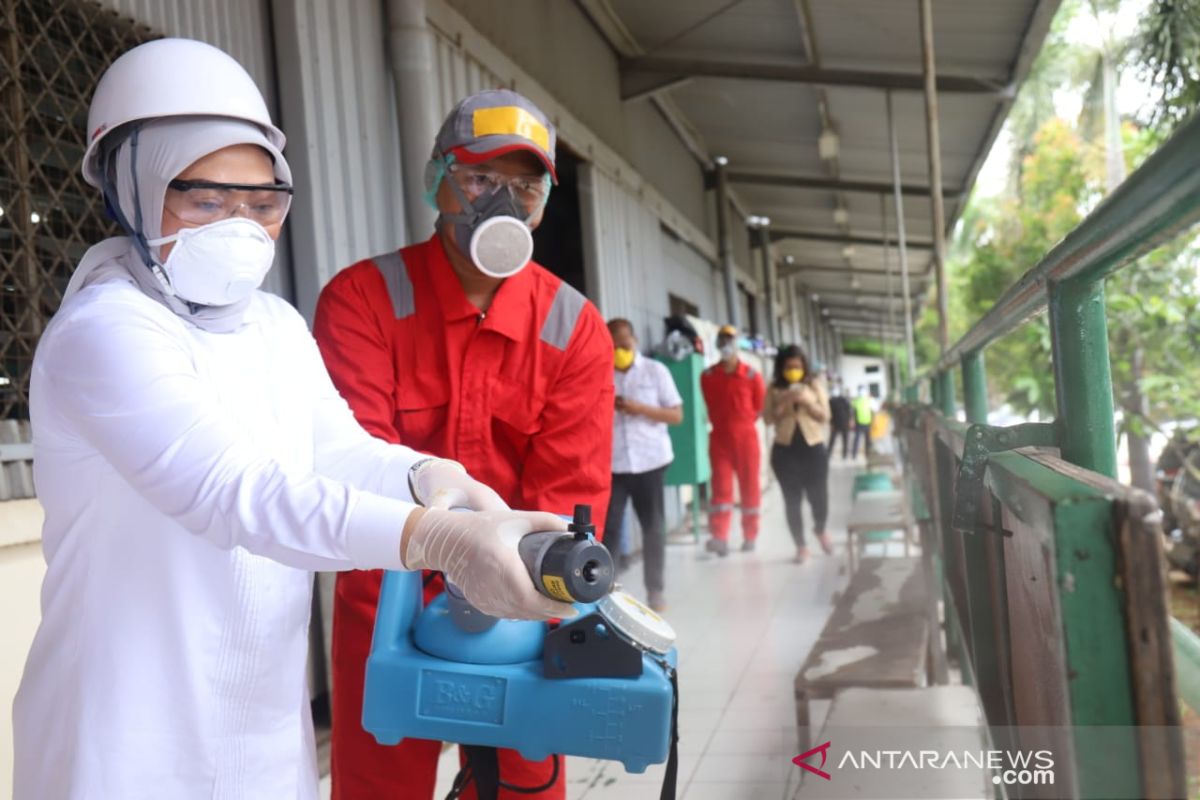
<point x="646" y="403"/>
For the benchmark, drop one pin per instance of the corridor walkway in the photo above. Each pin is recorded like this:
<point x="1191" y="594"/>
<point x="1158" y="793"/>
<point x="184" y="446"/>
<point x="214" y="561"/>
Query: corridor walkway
<point x="745" y="624"/>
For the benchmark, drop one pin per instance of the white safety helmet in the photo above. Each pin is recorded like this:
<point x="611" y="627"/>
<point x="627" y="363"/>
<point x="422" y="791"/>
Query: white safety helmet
<point x="172" y="78"/>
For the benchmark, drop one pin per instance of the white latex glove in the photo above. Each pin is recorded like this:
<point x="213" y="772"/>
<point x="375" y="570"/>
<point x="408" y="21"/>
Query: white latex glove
<point x="444" y="483"/>
<point x="477" y="551"/>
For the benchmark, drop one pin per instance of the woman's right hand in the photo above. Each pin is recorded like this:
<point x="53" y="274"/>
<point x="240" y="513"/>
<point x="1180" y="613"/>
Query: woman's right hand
<point x="477" y="551"/>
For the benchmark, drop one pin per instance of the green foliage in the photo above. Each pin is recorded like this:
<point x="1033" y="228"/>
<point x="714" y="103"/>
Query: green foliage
<point x="1001" y="239"/>
<point x="1166" y="53"/>
<point x="1058" y="176"/>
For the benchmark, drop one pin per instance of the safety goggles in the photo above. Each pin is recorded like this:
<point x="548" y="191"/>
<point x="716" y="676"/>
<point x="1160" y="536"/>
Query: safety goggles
<point x="475" y="182"/>
<point x="203" y="202"/>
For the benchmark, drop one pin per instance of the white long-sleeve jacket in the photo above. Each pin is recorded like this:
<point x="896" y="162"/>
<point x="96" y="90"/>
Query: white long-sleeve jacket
<point x="191" y="481"/>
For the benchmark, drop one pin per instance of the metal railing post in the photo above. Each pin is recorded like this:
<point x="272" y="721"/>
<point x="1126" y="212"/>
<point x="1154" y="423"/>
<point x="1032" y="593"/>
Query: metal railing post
<point x="1083" y="376"/>
<point x="974" y="387"/>
<point x="946" y="394"/>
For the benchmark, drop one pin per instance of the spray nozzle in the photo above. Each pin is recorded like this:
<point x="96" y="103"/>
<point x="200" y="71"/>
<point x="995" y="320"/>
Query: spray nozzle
<point x="581" y="523"/>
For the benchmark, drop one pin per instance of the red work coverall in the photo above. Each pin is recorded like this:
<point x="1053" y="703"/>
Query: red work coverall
<point x="734" y="400"/>
<point x="522" y="396"/>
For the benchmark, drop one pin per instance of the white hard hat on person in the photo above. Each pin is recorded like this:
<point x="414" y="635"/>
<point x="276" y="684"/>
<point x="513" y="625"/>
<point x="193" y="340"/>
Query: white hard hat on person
<point x="172" y="78"/>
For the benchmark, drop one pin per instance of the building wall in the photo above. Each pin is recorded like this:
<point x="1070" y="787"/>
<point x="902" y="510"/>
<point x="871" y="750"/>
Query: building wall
<point x="854" y="374"/>
<point x="558" y="47"/>
<point x="574" y="63"/>
<point x="657" y="153"/>
<point x="338" y="109"/>
<point x="239" y="27"/>
<point x="21" y="571"/>
<point x="691" y="276"/>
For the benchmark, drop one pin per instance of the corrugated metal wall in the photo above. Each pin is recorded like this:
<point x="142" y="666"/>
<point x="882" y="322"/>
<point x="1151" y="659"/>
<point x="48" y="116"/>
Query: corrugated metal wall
<point x="690" y="276"/>
<point x="458" y="75"/>
<point x="627" y="275"/>
<point x="239" y="27"/>
<point x="338" y="110"/>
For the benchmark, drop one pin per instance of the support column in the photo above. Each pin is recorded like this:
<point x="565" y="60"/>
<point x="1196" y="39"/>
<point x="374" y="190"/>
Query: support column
<point x="974" y="387"/>
<point x="810" y="314"/>
<point x="725" y="242"/>
<point x="946" y="394"/>
<point x="793" y="308"/>
<point x="933" y="139"/>
<point x="411" y="58"/>
<point x="901" y="240"/>
<point x="771" y="328"/>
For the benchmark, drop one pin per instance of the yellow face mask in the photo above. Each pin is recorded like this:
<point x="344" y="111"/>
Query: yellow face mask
<point x="622" y="358"/>
<point x="793" y="375"/>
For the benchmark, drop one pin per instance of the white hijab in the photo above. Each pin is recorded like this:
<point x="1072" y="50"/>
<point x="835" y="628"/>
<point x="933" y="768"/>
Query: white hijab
<point x="165" y="148"/>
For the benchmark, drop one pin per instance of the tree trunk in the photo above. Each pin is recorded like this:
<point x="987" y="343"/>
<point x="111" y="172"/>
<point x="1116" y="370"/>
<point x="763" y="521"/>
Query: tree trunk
<point x="1141" y="471"/>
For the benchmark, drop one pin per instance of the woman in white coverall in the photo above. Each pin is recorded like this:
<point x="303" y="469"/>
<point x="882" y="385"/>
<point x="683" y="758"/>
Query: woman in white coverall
<point x="196" y="464"/>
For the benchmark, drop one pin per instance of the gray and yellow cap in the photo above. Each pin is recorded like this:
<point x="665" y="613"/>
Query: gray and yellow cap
<point x="494" y="122"/>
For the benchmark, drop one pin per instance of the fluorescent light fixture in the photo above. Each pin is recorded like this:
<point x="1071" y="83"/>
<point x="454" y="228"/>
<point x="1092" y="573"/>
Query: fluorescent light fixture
<point x="827" y="145"/>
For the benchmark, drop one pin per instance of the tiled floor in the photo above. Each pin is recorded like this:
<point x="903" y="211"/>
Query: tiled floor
<point x="744" y="625"/>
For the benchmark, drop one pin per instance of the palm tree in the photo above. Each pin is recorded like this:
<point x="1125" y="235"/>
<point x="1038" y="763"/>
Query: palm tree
<point x="1166" y="48"/>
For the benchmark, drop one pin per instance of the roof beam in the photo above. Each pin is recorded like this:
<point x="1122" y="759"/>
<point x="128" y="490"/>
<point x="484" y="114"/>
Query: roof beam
<point x="854" y="324"/>
<point x="650" y="84"/>
<point x="864" y="333"/>
<point x="864" y="328"/>
<point x="876" y="312"/>
<point x="635" y="71"/>
<point x="787" y="270"/>
<point x="831" y="184"/>
<point x="844" y="238"/>
<point x="851" y="293"/>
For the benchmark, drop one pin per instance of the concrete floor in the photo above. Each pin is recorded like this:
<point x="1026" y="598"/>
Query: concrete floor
<point x="744" y="623"/>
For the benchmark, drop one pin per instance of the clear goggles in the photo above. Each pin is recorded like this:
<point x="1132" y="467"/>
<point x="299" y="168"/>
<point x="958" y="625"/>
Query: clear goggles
<point x="475" y="182"/>
<point x="204" y="202"/>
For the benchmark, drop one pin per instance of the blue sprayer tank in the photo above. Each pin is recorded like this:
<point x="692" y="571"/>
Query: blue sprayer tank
<point x="511" y="685"/>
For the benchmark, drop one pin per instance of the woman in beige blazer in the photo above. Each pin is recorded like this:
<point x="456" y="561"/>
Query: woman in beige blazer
<point x="798" y="406"/>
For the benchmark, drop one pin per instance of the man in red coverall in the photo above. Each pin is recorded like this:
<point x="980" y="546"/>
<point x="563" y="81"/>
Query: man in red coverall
<point x="464" y="348"/>
<point x="733" y="392"/>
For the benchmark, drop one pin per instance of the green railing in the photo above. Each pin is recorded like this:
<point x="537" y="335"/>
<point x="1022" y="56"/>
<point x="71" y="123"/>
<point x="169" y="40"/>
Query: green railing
<point x="1150" y="208"/>
<point x="1097" y="553"/>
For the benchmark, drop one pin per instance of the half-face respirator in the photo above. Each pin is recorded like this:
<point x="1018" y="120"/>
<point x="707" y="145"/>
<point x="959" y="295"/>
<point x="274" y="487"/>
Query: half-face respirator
<point x="492" y="229"/>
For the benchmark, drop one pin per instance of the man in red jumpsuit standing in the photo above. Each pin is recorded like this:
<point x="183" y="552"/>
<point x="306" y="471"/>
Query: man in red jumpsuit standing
<point x="733" y="392"/>
<point x="464" y="348"/>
